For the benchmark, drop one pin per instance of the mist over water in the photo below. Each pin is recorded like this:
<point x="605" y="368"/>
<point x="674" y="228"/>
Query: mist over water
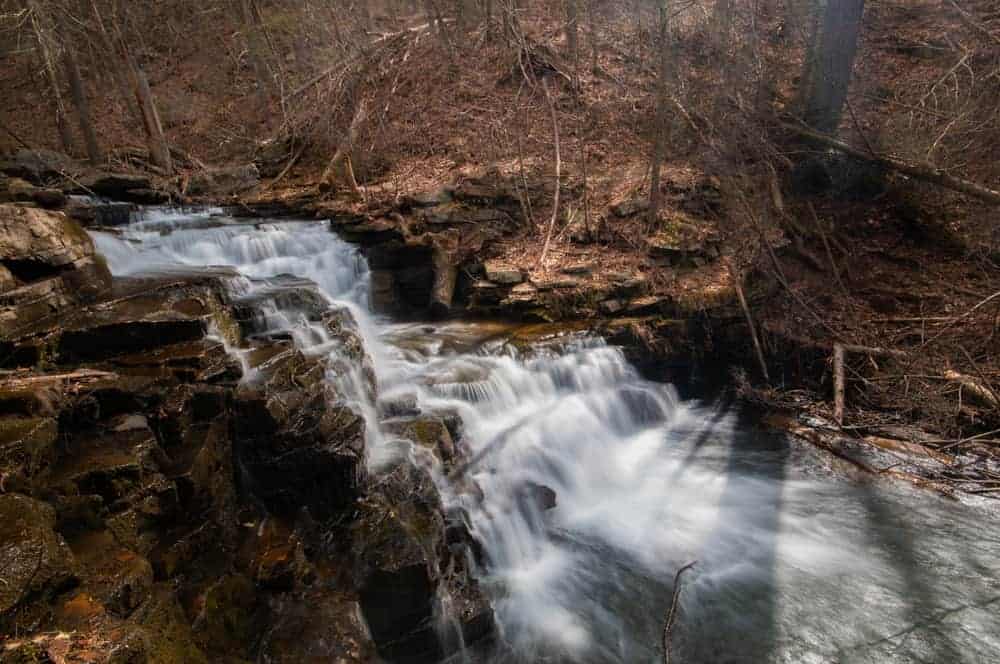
<point x="797" y="560"/>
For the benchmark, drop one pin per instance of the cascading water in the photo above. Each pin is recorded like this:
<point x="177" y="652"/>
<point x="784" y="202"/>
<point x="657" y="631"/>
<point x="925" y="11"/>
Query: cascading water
<point x="796" y="561"/>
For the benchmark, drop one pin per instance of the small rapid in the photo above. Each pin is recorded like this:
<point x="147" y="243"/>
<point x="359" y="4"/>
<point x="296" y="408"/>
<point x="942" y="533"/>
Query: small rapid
<point x="797" y="559"/>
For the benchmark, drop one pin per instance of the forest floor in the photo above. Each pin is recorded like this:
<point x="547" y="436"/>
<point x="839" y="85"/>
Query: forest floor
<point x="865" y="258"/>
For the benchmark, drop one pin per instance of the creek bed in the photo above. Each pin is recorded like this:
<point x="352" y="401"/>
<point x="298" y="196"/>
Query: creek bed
<point x="799" y="558"/>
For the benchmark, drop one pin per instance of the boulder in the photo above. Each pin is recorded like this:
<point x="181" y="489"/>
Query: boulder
<point x="223" y="181"/>
<point x="397" y="544"/>
<point x="37" y="166"/>
<point x="114" y="185"/>
<point x="430" y="433"/>
<point x="100" y="213"/>
<point x="37" y="242"/>
<point x="297" y="444"/>
<point x="403" y="567"/>
<point x="631" y="207"/>
<point x="35" y="560"/>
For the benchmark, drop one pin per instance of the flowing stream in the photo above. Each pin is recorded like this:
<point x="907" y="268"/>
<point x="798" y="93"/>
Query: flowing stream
<point x="798" y="560"/>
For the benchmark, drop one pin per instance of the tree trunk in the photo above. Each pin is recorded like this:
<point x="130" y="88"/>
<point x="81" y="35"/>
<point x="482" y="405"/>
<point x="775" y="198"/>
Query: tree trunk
<point x="660" y="138"/>
<point x="833" y="64"/>
<point x="41" y="23"/>
<point x="571" y="30"/>
<point x="255" y="52"/>
<point x="722" y="20"/>
<point x="82" y="107"/>
<point x="489" y="21"/>
<point x="158" y="148"/>
<point x="159" y="151"/>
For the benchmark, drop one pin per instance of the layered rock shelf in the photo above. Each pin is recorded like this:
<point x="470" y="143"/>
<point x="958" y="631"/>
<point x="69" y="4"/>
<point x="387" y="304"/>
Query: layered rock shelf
<point x="165" y="497"/>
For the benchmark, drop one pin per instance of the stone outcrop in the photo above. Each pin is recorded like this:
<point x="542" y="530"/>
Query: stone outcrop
<point x="164" y="500"/>
<point x="47" y="263"/>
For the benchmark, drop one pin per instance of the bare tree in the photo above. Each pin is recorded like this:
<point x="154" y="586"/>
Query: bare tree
<point x="48" y="48"/>
<point x="660" y="126"/>
<point x="158" y="148"/>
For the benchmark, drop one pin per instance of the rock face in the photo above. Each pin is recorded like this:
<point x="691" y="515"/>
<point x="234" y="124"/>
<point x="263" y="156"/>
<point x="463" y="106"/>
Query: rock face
<point x="163" y="501"/>
<point x="47" y="263"/>
<point x="404" y="568"/>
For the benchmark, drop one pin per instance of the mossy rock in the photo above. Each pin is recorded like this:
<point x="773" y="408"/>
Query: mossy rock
<point x="168" y="637"/>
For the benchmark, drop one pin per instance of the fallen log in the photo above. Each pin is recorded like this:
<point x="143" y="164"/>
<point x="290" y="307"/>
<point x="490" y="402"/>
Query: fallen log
<point x="927" y="173"/>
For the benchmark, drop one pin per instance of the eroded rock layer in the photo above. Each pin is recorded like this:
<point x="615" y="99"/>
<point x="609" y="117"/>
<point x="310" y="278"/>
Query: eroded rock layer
<point x="165" y="498"/>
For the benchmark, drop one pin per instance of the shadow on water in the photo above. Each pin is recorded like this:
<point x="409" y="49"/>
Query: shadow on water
<point x="891" y="533"/>
<point x="729" y="606"/>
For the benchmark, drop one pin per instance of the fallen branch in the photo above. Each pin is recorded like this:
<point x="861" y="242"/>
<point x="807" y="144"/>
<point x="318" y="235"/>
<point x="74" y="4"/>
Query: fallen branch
<point x="926" y="173"/>
<point x="668" y="627"/>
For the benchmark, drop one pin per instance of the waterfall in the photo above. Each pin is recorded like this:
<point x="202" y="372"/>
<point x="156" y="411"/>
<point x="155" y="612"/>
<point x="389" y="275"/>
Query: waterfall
<point x="796" y="562"/>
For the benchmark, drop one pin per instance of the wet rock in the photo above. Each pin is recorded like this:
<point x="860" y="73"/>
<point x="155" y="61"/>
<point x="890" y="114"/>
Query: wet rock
<point x="111" y="464"/>
<point x="115" y="185"/>
<point x="431" y="433"/>
<point x="499" y="273"/>
<point x="400" y="405"/>
<point x="203" y="360"/>
<point x="35" y="560"/>
<point x="100" y="213"/>
<point x="146" y="196"/>
<point x="443" y="290"/>
<point x="117" y="577"/>
<point x="397" y="550"/>
<point x="538" y="496"/>
<point x="320" y="626"/>
<point x="403" y="569"/>
<point x="166" y="632"/>
<point x="383" y="291"/>
<point x="52" y="199"/>
<point x="297" y="443"/>
<point x="230" y="618"/>
<point x="120" y="338"/>
<point x="27" y="448"/>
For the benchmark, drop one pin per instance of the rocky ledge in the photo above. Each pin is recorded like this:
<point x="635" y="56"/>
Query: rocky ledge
<point x="164" y="499"/>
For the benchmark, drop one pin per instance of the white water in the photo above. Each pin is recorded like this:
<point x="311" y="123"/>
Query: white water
<point x="796" y="562"/>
